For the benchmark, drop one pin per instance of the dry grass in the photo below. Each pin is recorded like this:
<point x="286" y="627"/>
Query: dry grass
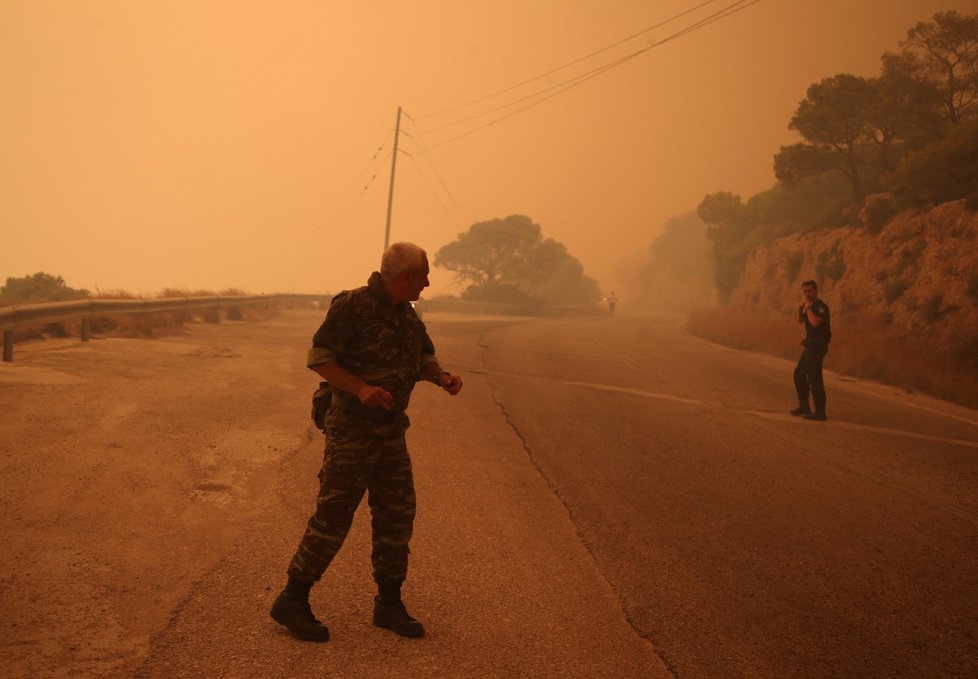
<point x="136" y="325"/>
<point x="868" y="350"/>
<point x="186" y="292"/>
<point x="149" y="324"/>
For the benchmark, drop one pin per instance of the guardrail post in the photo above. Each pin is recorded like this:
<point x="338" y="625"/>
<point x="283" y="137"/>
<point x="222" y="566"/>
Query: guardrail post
<point x="8" y="345"/>
<point x="86" y="329"/>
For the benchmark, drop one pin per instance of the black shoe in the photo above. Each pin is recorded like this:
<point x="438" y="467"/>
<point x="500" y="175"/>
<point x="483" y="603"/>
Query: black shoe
<point x="801" y="410"/>
<point x="296" y="615"/>
<point x="817" y="415"/>
<point x="395" y="617"/>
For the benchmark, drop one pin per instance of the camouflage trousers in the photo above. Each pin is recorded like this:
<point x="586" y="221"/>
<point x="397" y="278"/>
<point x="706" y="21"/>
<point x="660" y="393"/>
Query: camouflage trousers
<point x="355" y="462"/>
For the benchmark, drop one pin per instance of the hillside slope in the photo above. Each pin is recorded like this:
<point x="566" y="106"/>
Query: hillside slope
<point x="914" y="282"/>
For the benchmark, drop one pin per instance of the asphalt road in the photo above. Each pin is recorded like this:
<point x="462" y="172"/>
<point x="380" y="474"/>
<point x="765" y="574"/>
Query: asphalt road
<point x="606" y="498"/>
<point x="740" y="540"/>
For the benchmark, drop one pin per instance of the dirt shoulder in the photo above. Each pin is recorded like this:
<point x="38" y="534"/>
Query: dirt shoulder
<point x="128" y="467"/>
<point x="153" y="491"/>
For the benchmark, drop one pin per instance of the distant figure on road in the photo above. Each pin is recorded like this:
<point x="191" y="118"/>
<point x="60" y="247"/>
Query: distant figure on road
<point x="372" y="349"/>
<point x="612" y="301"/>
<point x="814" y="313"/>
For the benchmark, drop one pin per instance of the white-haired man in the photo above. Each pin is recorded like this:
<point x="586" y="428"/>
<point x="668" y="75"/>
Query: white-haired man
<point x="372" y="349"/>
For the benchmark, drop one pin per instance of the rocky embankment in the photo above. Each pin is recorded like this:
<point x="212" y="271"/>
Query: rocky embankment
<point x="914" y="281"/>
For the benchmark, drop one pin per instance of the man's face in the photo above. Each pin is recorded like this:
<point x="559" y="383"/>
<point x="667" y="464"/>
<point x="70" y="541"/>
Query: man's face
<point x="416" y="280"/>
<point x="810" y="293"/>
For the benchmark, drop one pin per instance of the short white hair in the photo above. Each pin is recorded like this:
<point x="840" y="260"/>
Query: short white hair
<point x="401" y="257"/>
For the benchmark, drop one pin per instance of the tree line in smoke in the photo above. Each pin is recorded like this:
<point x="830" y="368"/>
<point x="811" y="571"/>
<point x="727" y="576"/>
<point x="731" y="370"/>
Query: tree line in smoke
<point x="911" y="132"/>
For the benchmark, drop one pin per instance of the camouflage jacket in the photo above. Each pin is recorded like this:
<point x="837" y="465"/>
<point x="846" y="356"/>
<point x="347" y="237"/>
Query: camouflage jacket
<point x="383" y="344"/>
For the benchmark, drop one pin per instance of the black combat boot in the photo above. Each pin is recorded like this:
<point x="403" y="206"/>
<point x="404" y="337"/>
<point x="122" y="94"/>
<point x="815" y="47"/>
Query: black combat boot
<point x="292" y="610"/>
<point x="802" y="410"/>
<point x="817" y="415"/>
<point x="389" y="611"/>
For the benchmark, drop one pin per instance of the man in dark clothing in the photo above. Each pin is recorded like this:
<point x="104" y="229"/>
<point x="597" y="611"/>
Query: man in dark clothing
<point x="814" y="313"/>
<point x="372" y="349"/>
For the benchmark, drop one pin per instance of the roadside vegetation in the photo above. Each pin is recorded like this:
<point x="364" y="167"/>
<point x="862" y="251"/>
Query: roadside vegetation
<point x="509" y="261"/>
<point x="42" y="287"/>
<point x="871" y="354"/>
<point x="869" y="150"/>
<point x="910" y="132"/>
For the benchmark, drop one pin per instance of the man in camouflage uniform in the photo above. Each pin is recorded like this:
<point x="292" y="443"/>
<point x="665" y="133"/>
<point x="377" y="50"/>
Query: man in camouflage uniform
<point x="372" y="349"/>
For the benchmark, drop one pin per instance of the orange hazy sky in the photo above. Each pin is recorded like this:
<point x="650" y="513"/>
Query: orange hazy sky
<point x="215" y="144"/>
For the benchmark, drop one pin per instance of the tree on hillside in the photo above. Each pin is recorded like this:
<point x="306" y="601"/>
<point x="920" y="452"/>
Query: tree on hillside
<point x="40" y="287"/>
<point x="735" y="227"/>
<point x="945" y="170"/>
<point x="832" y="119"/>
<point x="900" y="116"/>
<point x="813" y="202"/>
<point x="729" y="225"/>
<point x="944" y="55"/>
<point x="860" y="127"/>
<point x="906" y="131"/>
<point x="508" y="260"/>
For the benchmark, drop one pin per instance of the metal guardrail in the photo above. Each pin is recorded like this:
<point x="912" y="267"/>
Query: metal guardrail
<point x="508" y="309"/>
<point x="32" y="315"/>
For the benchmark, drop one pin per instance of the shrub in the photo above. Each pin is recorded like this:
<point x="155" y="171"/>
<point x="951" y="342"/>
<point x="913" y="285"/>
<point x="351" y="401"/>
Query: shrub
<point x="894" y="289"/>
<point x="793" y="265"/>
<point x="498" y="293"/>
<point x="877" y="211"/>
<point x="973" y="287"/>
<point x="40" y="287"/>
<point x="943" y="171"/>
<point x="931" y="308"/>
<point x="830" y="263"/>
<point x="910" y="255"/>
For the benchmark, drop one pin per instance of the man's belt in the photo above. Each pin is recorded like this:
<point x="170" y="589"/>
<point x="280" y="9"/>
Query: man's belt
<point x="353" y="407"/>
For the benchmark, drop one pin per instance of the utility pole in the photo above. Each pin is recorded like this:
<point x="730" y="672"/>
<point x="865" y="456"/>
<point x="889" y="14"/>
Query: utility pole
<point x="390" y="195"/>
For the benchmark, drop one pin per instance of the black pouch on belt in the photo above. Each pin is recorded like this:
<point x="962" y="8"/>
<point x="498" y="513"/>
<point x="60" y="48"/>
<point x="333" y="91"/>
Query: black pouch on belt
<point x="321" y="399"/>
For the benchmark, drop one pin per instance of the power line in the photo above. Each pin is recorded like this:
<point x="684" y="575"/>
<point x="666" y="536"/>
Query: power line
<point x="422" y="146"/>
<point x="578" y="81"/>
<point x="582" y="78"/>
<point x="717" y="16"/>
<point x="534" y="99"/>
<point x="433" y="192"/>
<point x="344" y="206"/>
<point x="569" y="63"/>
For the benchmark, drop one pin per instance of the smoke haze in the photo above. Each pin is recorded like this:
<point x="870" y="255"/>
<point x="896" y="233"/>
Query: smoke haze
<point x="215" y="145"/>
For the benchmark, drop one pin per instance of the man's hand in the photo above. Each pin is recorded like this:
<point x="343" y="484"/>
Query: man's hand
<point x="367" y="394"/>
<point x="450" y="383"/>
<point x="375" y="397"/>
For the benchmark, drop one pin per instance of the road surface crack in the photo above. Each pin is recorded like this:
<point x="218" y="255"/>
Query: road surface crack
<point x="645" y="636"/>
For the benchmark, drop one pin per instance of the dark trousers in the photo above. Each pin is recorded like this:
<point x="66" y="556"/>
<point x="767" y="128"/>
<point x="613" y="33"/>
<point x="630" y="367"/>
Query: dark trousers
<point x="355" y="464"/>
<point x="808" y="375"/>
